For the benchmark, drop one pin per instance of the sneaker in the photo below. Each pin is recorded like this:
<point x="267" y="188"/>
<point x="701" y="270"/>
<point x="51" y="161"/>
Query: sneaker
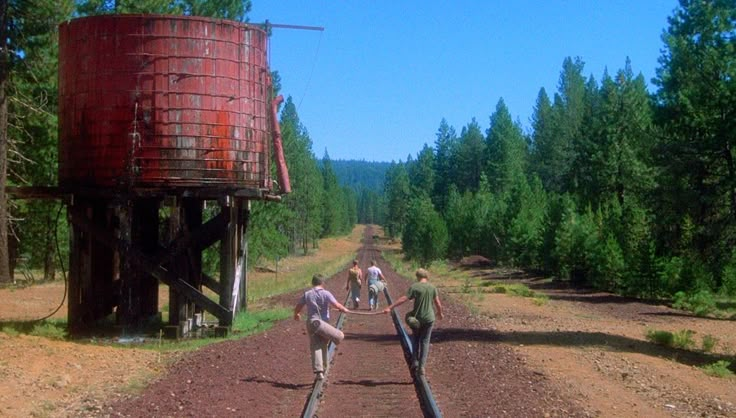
<point x="319" y="376"/>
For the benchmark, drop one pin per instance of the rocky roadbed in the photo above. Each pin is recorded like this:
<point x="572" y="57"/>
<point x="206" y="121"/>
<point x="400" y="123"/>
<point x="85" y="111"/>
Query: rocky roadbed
<point x="579" y="354"/>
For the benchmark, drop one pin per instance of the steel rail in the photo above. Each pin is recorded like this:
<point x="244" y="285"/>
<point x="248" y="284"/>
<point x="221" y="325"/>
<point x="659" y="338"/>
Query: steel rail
<point x="429" y="406"/>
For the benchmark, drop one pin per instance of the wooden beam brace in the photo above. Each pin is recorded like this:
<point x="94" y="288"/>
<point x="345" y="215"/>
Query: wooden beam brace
<point x="151" y="266"/>
<point x="210" y="283"/>
<point x="202" y="237"/>
<point x="199" y="239"/>
<point x="223" y="314"/>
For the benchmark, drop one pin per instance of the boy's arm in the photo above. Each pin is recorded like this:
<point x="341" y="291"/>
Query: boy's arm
<point x="398" y="302"/>
<point x="340" y="307"/>
<point x="297" y="309"/>
<point x="438" y="305"/>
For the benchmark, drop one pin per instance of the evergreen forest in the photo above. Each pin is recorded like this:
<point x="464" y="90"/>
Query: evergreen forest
<point x="613" y="186"/>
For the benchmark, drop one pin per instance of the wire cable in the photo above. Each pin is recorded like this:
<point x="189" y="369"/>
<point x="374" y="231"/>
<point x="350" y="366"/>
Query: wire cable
<point x="311" y="71"/>
<point x="61" y="264"/>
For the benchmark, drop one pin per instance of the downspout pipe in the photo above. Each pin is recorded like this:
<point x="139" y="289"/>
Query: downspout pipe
<point x="281" y="170"/>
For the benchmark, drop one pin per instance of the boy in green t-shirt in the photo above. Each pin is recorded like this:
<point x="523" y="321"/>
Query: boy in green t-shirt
<point x="421" y="318"/>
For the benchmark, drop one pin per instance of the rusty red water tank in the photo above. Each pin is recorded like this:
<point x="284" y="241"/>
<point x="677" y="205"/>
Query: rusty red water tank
<point x="157" y="100"/>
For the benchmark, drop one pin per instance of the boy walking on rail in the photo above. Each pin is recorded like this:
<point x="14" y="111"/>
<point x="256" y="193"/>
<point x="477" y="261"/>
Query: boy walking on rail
<point x="421" y="318"/>
<point x="376" y="284"/>
<point x="354" y="283"/>
<point x="318" y="302"/>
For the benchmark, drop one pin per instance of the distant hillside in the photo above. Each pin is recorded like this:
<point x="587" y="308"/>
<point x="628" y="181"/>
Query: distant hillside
<point x="361" y="174"/>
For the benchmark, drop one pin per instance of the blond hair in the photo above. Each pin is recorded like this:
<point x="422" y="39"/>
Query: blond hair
<point x="422" y="274"/>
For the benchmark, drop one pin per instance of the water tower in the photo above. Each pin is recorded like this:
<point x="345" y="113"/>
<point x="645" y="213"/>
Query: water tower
<point x="161" y="117"/>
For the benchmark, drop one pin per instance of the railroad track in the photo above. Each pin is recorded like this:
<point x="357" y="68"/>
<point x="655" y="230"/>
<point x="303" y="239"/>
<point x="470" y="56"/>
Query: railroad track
<point x="424" y="393"/>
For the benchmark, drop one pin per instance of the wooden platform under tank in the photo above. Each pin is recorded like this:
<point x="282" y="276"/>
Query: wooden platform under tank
<point x="121" y="247"/>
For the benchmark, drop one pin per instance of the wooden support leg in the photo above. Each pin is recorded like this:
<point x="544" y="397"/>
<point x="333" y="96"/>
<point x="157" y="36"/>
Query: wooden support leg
<point x="228" y="259"/>
<point x="185" y="217"/>
<point x="91" y="271"/>
<point x="74" y="299"/>
<point x="175" y="299"/>
<point x="139" y="290"/>
<point x="145" y="238"/>
<point x="192" y="258"/>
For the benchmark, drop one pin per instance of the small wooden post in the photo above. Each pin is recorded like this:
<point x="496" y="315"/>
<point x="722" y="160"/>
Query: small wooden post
<point x="243" y="218"/>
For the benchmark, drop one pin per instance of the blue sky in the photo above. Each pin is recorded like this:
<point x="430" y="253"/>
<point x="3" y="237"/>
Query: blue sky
<point x="376" y="83"/>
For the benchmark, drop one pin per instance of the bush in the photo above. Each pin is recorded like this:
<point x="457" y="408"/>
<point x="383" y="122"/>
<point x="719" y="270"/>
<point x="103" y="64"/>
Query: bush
<point x="718" y="369"/>
<point x="701" y="303"/>
<point x="51" y="330"/>
<point x="664" y="338"/>
<point x="683" y="339"/>
<point x="709" y="343"/>
<point x="728" y="277"/>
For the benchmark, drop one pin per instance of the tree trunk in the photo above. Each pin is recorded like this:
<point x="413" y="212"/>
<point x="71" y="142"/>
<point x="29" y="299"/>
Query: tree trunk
<point x="4" y="74"/>
<point x="4" y="256"/>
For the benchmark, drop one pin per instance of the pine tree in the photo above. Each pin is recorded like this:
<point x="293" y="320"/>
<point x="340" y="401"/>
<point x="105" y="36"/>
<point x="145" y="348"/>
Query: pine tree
<point x="28" y="103"/>
<point x="224" y="9"/>
<point x="398" y="193"/>
<point x="425" y="234"/>
<point x="307" y="196"/>
<point x="697" y="110"/>
<point x="421" y="172"/>
<point x="469" y="159"/>
<point x="444" y="149"/>
<point x="507" y="151"/>
<point x="622" y="159"/>
<point x="334" y="205"/>
<point x="542" y="138"/>
<point x="560" y="153"/>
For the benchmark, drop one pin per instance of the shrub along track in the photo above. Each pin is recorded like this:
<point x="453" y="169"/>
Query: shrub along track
<point x="269" y="375"/>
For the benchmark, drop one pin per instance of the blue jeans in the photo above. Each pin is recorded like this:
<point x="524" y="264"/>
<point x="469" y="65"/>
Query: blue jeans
<point x="420" y="340"/>
<point x="372" y="296"/>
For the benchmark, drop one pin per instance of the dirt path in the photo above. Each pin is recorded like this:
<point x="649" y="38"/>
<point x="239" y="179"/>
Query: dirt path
<point x="595" y="344"/>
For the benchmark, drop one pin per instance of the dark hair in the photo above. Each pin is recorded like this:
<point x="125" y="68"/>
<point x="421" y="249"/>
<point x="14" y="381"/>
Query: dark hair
<point x="355" y="262"/>
<point x="318" y="279"/>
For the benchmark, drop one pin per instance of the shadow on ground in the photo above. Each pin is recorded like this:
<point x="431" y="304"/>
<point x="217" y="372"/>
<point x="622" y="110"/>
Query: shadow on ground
<point x="277" y="384"/>
<point x="370" y="383"/>
<point x="579" y="339"/>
